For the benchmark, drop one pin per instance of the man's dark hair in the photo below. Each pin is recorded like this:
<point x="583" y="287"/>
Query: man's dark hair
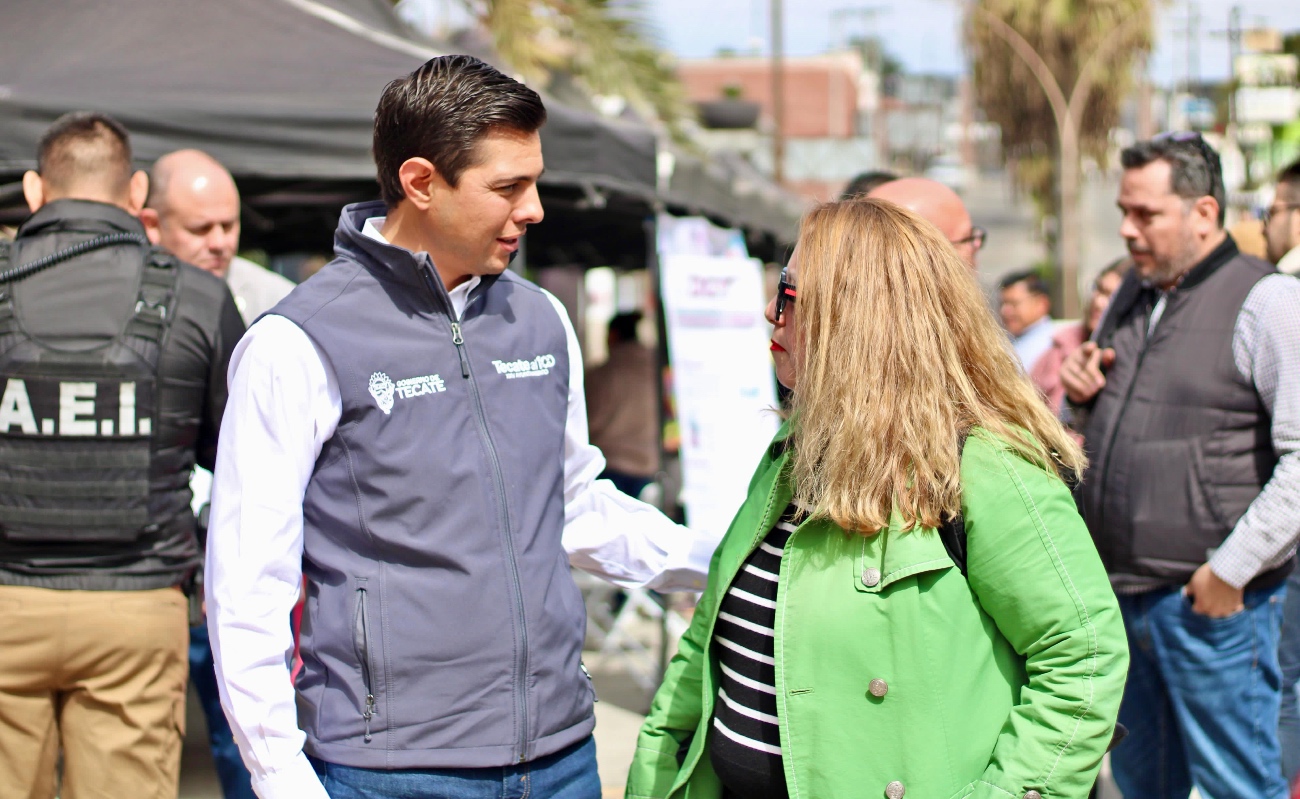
<point x="1033" y="281"/>
<point x="85" y="148"/>
<point x="623" y="326"/>
<point x="1194" y="166"/>
<point x="441" y="112"/>
<point x="1288" y="183"/>
<point x="864" y="183"/>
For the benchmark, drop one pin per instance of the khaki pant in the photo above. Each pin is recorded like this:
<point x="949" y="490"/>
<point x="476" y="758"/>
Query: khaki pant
<point x="100" y="674"/>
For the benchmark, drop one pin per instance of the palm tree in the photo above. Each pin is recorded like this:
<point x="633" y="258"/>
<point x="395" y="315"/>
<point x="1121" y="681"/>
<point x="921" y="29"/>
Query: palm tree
<point x="607" y="46"/>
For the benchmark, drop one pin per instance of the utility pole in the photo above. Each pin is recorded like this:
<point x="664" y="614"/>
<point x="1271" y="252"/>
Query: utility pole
<point x="778" y="92"/>
<point x="838" y="18"/>
<point x="1191" y="41"/>
<point x="1233" y="35"/>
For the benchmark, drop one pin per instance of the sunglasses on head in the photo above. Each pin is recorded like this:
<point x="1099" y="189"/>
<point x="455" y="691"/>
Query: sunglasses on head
<point x="785" y="292"/>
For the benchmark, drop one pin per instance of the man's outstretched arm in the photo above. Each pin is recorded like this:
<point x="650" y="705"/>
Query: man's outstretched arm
<point x="608" y="533"/>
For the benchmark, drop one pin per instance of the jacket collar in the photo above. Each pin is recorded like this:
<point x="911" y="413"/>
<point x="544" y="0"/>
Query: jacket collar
<point x="1219" y="256"/>
<point x="388" y="261"/>
<point x="82" y="216"/>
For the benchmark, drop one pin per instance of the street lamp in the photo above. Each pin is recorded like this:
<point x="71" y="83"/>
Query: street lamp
<point x="1067" y="114"/>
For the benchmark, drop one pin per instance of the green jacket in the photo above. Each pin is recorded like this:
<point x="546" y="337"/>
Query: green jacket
<point x="996" y="686"/>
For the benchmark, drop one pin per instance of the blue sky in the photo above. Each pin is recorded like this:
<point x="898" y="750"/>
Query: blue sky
<point x="924" y="35"/>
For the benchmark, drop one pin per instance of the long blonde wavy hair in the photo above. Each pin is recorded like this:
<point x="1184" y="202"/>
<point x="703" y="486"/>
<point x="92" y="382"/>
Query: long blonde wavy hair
<point x="900" y="358"/>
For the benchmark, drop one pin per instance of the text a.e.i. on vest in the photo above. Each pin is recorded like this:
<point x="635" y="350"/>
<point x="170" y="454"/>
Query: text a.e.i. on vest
<point x="71" y="408"/>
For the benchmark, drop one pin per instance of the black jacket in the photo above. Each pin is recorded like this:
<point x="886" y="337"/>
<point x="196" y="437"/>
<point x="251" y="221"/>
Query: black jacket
<point x="86" y="301"/>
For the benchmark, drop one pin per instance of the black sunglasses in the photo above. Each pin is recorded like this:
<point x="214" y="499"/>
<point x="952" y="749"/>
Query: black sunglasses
<point x="785" y="292"/>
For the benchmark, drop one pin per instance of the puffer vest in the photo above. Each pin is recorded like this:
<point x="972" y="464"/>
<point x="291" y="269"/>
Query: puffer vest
<point x="1178" y="442"/>
<point x="442" y="627"/>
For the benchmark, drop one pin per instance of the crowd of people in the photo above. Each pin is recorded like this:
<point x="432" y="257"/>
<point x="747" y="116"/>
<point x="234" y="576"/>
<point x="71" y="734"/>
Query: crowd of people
<point x="975" y="558"/>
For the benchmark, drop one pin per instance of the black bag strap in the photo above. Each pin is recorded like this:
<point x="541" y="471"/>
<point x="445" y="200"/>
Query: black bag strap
<point x="952" y="531"/>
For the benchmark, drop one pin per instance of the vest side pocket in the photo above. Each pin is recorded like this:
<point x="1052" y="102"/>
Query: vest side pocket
<point x="361" y="641"/>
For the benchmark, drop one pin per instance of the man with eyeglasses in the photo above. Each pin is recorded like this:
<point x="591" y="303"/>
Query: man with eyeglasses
<point x="1282" y="222"/>
<point x="1191" y="389"/>
<point x="939" y="205"/>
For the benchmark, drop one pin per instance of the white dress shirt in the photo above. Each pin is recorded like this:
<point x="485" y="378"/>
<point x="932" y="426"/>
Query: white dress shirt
<point x="284" y="405"/>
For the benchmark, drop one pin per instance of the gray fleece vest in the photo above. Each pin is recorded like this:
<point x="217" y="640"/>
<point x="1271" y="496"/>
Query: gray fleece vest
<point x="442" y="627"/>
<point x="1178" y="441"/>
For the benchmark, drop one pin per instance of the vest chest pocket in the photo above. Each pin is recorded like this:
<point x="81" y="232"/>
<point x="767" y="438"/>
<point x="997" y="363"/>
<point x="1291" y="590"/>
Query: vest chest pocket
<point x="894" y="554"/>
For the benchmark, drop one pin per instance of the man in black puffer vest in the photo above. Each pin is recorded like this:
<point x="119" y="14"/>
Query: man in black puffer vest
<point x="112" y="365"/>
<point x="1191" y="398"/>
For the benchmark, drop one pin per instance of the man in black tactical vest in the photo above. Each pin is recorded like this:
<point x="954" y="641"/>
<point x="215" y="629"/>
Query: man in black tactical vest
<point x="1191" y="393"/>
<point x="112" y="365"/>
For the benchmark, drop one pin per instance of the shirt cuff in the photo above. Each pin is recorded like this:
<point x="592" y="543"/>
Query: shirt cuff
<point x="1234" y="568"/>
<point x="688" y="562"/>
<point x="297" y="780"/>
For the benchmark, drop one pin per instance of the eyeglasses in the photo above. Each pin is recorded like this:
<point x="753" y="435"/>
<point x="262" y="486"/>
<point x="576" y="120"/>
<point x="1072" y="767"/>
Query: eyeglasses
<point x="1267" y="214"/>
<point x="976" y="239"/>
<point x="785" y="292"/>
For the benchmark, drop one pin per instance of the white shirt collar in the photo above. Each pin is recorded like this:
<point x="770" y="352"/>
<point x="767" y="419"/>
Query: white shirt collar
<point x="459" y="295"/>
<point x="1290" y="263"/>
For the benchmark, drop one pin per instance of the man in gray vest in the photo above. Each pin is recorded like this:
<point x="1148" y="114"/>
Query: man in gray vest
<point x="112" y="365"/>
<point x="407" y="430"/>
<point x="1192" y="396"/>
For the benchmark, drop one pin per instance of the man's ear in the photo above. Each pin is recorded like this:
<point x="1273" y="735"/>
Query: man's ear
<point x="152" y="224"/>
<point x="1206" y="210"/>
<point x="419" y="181"/>
<point x="33" y="190"/>
<point x="137" y="192"/>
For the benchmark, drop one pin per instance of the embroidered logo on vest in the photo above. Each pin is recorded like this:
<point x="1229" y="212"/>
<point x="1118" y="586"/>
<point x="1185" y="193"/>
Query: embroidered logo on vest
<point x="385" y="391"/>
<point x="537" y="367"/>
<point x="381" y="388"/>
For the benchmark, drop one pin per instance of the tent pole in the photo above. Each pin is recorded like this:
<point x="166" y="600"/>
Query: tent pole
<point x="661" y="365"/>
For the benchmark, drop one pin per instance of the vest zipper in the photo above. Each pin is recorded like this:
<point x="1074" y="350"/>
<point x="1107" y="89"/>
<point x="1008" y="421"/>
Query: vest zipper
<point x="361" y="634"/>
<point x="459" y="341"/>
<point x="503" y="512"/>
<point x="503" y="520"/>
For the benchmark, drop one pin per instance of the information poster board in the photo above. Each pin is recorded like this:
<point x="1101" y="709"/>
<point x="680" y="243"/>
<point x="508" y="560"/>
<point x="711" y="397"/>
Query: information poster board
<point x="722" y="380"/>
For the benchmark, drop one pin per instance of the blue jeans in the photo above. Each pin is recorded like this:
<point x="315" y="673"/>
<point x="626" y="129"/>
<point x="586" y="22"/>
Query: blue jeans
<point x="568" y="774"/>
<point x="1202" y="699"/>
<point x="235" y="780"/>
<point x="1288" y="655"/>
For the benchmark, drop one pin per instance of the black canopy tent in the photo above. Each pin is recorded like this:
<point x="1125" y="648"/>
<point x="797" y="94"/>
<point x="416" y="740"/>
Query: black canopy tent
<point x="281" y="91"/>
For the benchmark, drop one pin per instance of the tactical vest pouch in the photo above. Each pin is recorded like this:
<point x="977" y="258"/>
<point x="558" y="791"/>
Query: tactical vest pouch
<point x="76" y="426"/>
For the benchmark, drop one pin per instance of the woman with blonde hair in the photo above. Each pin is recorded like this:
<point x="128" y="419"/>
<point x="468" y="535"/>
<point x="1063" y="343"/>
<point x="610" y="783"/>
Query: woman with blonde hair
<point x="845" y="646"/>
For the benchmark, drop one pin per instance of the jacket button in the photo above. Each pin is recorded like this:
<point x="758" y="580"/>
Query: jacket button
<point x="878" y="688"/>
<point x="895" y="790"/>
<point x="871" y="578"/>
<point x="1032" y="794"/>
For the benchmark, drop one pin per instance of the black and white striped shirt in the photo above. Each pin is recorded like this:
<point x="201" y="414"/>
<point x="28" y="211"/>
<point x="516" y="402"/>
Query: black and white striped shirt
<point x="745" y="742"/>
